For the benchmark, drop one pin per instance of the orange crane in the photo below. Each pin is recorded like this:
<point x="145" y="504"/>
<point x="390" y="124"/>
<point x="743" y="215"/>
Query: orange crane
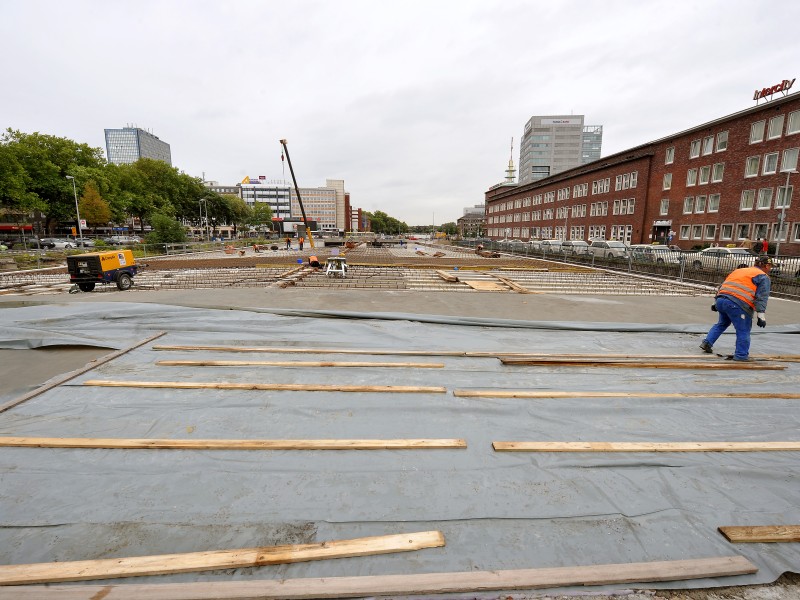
<point x="297" y="191"/>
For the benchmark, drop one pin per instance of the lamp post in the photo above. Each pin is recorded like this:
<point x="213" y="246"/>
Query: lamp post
<point x="77" y="211"/>
<point x="201" y="201"/>
<point x="782" y="217"/>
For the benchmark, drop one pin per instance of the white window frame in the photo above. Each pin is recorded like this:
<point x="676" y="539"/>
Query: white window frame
<point x="743" y="231"/>
<point x="781" y="194"/>
<point x="770" y="169"/>
<point x="793" y="123"/>
<point x="748" y="200"/>
<point x="710" y="231"/>
<point x="669" y="154"/>
<point x="634" y="178"/>
<point x="688" y="205"/>
<point x="764" y="200"/>
<point x="694" y="149"/>
<point x="691" y="177"/>
<point x="717" y="172"/>
<point x="790" y="154"/>
<point x="685" y="230"/>
<point x="618" y="183"/>
<point x="722" y="141"/>
<point x="726" y="231"/>
<point x="708" y="145"/>
<point x="700" y="204"/>
<point x="705" y="175"/>
<point x="757" y="131"/>
<point x="664" y="208"/>
<point x="667" y="181"/>
<point x="775" y="128"/>
<point x="631" y="205"/>
<point x="751" y="166"/>
<point x="713" y="203"/>
<point x="697" y="232"/>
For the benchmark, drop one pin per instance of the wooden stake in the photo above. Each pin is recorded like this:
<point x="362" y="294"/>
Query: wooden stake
<point x="761" y="533"/>
<point x="646" y="446"/>
<point x="73" y="374"/>
<point x="639" y="364"/>
<point x="399" y="585"/>
<point x="594" y="394"/>
<point x="292" y="387"/>
<point x="189" y="444"/>
<point x="164" y="564"/>
<point x="305" y="364"/>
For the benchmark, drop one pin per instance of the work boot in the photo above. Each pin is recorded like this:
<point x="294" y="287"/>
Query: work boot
<point x="706" y="347"/>
<point x="745" y="359"/>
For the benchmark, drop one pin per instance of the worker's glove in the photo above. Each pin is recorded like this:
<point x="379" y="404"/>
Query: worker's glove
<point x="714" y="307"/>
<point x="762" y="319"/>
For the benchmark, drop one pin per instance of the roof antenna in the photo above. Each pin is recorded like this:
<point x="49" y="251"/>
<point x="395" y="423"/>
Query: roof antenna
<point x="510" y="171"/>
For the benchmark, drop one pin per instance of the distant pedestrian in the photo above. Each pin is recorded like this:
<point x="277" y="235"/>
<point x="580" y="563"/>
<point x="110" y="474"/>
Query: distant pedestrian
<point x="288" y="243"/>
<point x="764" y="246"/>
<point x="300" y="242"/>
<point x="743" y="292"/>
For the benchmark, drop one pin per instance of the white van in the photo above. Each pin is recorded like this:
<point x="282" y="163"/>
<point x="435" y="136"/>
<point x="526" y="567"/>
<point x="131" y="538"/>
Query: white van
<point x="575" y="247"/>
<point x="551" y="245"/>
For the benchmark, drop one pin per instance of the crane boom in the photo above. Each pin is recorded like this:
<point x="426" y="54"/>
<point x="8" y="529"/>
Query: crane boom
<point x="297" y="191"/>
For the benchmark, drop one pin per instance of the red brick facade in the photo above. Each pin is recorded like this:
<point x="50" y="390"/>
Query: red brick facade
<point x="712" y="197"/>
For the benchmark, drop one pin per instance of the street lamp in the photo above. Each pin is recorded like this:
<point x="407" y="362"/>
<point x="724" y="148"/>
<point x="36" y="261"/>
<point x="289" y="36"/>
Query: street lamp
<point x="78" y="212"/>
<point x="781" y="219"/>
<point x="201" y="201"/>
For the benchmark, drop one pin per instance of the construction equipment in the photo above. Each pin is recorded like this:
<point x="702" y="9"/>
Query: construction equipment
<point x="117" y="266"/>
<point x="297" y="191"/>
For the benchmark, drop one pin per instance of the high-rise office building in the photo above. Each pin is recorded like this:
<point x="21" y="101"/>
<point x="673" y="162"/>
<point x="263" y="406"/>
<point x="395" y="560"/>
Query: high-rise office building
<point x="554" y="143"/>
<point x="129" y="144"/>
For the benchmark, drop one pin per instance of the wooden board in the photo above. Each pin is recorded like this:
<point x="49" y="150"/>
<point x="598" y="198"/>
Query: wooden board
<point x="486" y="286"/>
<point x="73" y="374"/>
<point x="447" y="276"/>
<point x="399" y="585"/>
<point x="163" y="564"/>
<point x="761" y="533"/>
<point x="292" y="387"/>
<point x="623" y="363"/>
<point x="298" y="363"/>
<point x="646" y="446"/>
<point x="513" y="285"/>
<point x="201" y="444"/>
<point x="594" y="394"/>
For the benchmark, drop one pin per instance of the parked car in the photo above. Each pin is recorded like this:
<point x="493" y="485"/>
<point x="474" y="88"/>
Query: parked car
<point x="13" y="242"/>
<point x="610" y="249"/>
<point x="59" y="243"/>
<point x="722" y="259"/>
<point x="122" y="240"/>
<point x="577" y="247"/>
<point x="535" y="244"/>
<point x="655" y="254"/>
<point x="551" y="245"/>
<point x="85" y="243"/>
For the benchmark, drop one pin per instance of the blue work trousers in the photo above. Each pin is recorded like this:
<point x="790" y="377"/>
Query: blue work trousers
<point x="731" y="313"/>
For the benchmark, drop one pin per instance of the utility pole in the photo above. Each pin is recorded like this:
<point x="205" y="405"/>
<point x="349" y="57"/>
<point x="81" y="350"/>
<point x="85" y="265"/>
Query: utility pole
<point x="297" y="191"/>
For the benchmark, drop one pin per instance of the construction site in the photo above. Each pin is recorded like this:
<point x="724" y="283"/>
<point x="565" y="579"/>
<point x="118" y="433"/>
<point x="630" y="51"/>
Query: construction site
<point x="246" y="425"/>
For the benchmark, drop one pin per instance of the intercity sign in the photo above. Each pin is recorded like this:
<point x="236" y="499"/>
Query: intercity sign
<point x="783" y="86"/>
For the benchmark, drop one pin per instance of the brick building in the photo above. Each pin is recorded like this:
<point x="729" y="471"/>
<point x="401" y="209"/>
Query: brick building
<point x="722" y="182"/>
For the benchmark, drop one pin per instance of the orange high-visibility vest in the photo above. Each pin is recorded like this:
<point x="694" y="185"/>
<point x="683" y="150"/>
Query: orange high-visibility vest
<point x="739" y="284"/>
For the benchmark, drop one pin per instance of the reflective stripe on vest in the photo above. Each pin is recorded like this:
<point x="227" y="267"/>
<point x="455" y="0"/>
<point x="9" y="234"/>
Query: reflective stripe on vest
<point x="740" y="285"/>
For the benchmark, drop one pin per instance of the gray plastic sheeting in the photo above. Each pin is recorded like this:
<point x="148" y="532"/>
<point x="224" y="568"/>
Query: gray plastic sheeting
<point x="497" y="510"/>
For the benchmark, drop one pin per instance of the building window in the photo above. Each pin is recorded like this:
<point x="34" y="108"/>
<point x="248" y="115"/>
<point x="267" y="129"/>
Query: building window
<point x="710" y="232"/>
<point x="796" y="234"/>
<point x="713" y="203"/>
<point x="716" y="175"/>
<point x="789" y="162"/>
<point x="691" y="177"/>
<point x="705" y="174"/>
<point x="694" y="149"/>
<point x="618" y="183"/>
<point x="669" y="156"/>
<point x="779" y="199"/>
<point x="688" y="205"/>
<point x="760" y="231"/>
<point x="726" y="232"/>
<point x="708" y="145"/>
<point x="667" y="181"/>
<point x="764" y="198"/>
<point x="685" y="232"/>
<point x="700" y="204"/>
<point x="757" y="132"/>
<point x="751" y="166"/>
<point x="775" y="127"/>
<point x="697" y="232"/>
<point x="634" y="178"/>
<point x="793" y="126"/>
<point x="748" y="197"/>
<point x="664" y="209"/>
<point x="770" y="163"/>
<point x="722" y="141"/>
<point x="743" y="231"/>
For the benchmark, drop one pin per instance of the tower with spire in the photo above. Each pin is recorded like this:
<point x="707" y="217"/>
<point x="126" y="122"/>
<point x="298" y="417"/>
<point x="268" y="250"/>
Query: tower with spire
<point x="511" y="171"/>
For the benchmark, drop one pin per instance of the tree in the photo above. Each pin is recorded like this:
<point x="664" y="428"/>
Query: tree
<point x="166" y="230"/>
<point x="261" y="214"/>
<point x="236" y="210"/>
<point x="92" y="207"/>
<point x="383" y="223"/>
<point x="449" y="228"/>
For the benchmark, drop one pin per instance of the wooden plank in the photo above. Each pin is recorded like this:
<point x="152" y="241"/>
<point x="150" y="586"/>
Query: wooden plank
<point x="621" y="363"/>
<point x="485" y="286"/>
<point x="513" y="285"/>
<point x="292" y="387"/>
<point x="646" y="446"/>
<point x="298" y="363"/>
<point x="73" y="374"/>
<point x="206" y="444"/>
<point x="761" y="533"/>
<point x="163" y="564"/>
<point x="594" y="394"/>
<point x="399" y="585"/>
<point x="447" y="276"/>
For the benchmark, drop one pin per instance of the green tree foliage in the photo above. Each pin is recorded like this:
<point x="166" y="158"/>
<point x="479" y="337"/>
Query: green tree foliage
<point x="261" y="216"/>
<point x="383" y="223"/>
<point x="449" y="228"/>
<point x="92" y="206"/>
<point x="166" y="230"/>
<point x="236" y="211"/>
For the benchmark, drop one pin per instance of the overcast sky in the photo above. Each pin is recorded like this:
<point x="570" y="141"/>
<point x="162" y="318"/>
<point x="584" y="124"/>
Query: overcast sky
<point x="412" y="103"/>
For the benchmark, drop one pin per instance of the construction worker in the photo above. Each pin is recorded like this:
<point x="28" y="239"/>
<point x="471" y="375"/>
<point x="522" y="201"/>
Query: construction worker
<point x="300" y="242"/>
<point x="743" y="292"/>
<point x="313" y="261"/>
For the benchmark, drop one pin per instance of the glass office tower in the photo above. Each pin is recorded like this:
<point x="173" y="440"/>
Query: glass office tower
<point x="129" y="144"/>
